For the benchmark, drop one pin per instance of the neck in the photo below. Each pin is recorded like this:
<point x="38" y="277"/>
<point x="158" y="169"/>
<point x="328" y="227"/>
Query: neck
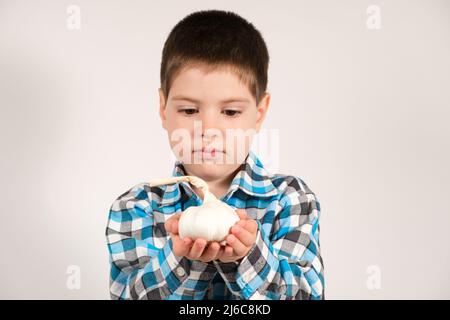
<point x="217" y="187"/>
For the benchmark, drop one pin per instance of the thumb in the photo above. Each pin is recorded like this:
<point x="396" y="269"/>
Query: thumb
<point x="168" y="225"/>
<point x="241" y="213"/>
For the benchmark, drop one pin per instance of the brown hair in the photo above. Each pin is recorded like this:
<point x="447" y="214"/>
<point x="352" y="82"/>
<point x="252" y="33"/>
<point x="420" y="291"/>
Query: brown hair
<point x="213" y="39"/>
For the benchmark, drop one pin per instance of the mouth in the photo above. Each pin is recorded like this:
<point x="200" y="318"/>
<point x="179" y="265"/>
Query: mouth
<point x="208" y="153"/>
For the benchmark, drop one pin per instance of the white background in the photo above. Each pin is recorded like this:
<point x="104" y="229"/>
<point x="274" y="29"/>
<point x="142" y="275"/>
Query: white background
<point x="362" y="115"/>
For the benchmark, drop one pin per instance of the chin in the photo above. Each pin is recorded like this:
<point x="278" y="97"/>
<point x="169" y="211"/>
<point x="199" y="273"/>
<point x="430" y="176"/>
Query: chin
<point x="208" y="170"/>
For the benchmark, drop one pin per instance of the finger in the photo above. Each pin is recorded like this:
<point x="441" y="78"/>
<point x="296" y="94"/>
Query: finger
<point x="176" y="219"/>
<point x="220" y="253"/>
<point x="177" y="216"/>
<point x="187" y="241"/>
<point x="251" y="226"/>
<point x="210" y="252"/>
<point x="241" y="213"/>
<point x="174" y="226"/>
<point x="239" y="248"/>
<point x="169" y="223"/>
<point x="168" y="226"/>
<point x="226" y="260"/>
<point x="197" y="248"/>
<point x="181" y="247"/>
<point x="225" y="253"/>
<point x="242" y="223"/>
<point x="228" y="251"/>
<point x="243" y="235"/>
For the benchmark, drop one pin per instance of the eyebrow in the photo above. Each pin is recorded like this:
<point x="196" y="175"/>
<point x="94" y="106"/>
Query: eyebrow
<point x="186" y="98"/>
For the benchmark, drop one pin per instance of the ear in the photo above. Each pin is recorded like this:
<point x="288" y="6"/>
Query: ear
<point x="263" y="106"/>
<point x="162" y="108"/>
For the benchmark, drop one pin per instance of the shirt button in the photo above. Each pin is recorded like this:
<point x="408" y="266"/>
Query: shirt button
<point x="180" y="272"/>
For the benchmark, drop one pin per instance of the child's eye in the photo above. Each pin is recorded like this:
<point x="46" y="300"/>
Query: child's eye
<point x="188" y="111"/>
<point x="231" y="113"/>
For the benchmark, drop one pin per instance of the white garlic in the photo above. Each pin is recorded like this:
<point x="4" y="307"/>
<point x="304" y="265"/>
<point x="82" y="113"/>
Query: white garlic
<point x="211" y="221"/>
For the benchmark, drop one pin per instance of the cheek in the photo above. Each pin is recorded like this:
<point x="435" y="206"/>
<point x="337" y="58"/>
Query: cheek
<point x="246" y="121"/>
<point x="252" y="118"/>
<point x="176" y="121"/>
<point x="237" y="146"/>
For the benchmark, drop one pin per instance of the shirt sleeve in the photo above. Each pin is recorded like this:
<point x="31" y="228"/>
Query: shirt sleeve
<point x="142" y="262"/>
<point x="288" y="264"/>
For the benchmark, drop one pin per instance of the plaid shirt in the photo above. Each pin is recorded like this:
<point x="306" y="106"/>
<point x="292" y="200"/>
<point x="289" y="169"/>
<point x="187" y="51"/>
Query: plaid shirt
<point x="284" y="262"/>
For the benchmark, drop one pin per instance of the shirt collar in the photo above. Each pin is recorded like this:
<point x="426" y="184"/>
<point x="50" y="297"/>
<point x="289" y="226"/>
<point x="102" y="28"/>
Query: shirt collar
<point x="252" y="178"/>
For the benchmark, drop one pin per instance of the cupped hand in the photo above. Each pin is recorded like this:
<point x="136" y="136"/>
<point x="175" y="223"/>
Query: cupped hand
<point x="199" y="249"/>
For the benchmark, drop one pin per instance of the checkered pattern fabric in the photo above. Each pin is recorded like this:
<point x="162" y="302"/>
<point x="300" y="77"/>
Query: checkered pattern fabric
<point x="284" y="263"/>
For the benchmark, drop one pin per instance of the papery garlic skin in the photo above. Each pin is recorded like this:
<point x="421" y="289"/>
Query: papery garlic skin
<point x="211" y="221"/>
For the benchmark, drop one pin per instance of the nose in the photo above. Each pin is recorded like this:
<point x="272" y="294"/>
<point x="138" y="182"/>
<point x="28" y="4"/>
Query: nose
<point x="210" y="125"/>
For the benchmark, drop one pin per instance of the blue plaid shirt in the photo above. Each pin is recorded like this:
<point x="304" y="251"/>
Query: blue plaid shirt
<point x="284" y="263"/>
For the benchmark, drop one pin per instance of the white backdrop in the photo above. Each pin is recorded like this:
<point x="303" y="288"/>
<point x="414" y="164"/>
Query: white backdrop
<point x="360" y="96"/>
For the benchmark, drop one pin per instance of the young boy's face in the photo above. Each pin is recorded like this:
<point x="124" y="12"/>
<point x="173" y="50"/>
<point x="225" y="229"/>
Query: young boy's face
<point x="211" y="110"/>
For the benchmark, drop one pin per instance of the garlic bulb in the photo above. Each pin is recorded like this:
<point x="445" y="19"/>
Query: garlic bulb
<point x="211" y="221"/>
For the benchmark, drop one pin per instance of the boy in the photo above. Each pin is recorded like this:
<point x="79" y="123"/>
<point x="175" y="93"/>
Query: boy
<point x="214" y="73"/>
